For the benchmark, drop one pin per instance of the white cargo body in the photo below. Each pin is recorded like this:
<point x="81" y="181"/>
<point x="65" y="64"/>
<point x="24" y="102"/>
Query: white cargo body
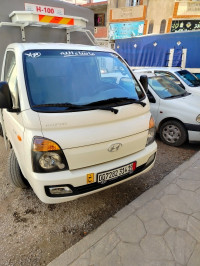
<point x="75" y="118"/>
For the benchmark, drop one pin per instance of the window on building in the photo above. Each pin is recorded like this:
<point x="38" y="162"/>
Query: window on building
<point x="150" y="30"/>
<point x="132" y="2"/>
<point x="162" y="26"/>
<point x="99" y="20"/>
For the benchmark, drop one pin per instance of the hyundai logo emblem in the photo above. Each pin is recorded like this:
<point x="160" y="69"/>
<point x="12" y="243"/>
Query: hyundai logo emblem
<point x="114" y="147"/>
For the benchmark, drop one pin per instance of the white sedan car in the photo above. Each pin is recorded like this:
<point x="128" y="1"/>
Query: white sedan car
<point x="182" y="77"/>
<point x="176" y="112"/>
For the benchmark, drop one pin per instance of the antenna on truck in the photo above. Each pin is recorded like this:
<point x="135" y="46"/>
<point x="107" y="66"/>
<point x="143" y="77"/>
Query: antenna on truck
<point x="24" y="19"/>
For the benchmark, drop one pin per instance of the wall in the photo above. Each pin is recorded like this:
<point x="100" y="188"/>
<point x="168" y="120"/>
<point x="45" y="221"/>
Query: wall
<point x="157" y="10"/>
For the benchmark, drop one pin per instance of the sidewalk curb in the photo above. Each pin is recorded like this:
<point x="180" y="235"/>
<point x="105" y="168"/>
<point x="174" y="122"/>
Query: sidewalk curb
<point x="70" y="255"/>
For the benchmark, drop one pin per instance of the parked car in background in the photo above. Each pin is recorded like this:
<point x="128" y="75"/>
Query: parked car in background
<point x="176" y="111"/>
<point x="197" y="75"/>
<point x="182" y="77"/>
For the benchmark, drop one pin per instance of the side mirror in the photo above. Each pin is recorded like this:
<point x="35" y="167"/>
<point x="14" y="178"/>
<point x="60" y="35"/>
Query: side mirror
<point x="144" y="82"/>
<point x="5" y="96"/>
<point x="151" y="98"/>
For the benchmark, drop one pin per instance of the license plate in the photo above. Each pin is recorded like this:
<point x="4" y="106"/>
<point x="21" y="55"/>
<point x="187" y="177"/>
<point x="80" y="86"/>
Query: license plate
<point x="115" y="173"/>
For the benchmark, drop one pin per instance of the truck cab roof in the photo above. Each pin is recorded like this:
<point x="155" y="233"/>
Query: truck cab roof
<point x="57" y="46"/>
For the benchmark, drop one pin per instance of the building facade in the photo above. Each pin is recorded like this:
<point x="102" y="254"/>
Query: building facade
<point x="119" y="19"/>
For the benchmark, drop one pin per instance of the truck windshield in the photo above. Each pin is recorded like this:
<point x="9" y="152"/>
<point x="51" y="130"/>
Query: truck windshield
<point x="190" y="79"/>
<point x="165" y="88"/>
<point x="57" y="78"/>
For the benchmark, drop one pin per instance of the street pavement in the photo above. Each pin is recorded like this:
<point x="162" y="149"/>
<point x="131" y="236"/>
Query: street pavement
<point x="159" y="228"/>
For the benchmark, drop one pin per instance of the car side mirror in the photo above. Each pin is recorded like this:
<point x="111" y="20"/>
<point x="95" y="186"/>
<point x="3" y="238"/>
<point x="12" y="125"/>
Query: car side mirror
<point x="151" y="98"/>
<point x="144" y="82"/>
<point x="5" y="96"/>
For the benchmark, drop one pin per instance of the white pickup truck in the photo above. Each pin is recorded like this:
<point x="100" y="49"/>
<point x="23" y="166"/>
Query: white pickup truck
<point x="71" y="130"/>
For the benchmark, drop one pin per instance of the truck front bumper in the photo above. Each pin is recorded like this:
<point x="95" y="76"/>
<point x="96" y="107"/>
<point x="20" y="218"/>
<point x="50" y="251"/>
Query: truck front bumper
<point x="76" y="180"/>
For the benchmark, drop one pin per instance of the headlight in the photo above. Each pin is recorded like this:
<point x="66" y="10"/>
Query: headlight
<point x="151" y="132"/>
<point x="198" y="119"/>
<point x="47" y="156"/>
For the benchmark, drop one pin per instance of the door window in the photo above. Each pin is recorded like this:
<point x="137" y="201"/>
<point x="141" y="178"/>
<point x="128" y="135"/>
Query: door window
<point x="10" y="76"/>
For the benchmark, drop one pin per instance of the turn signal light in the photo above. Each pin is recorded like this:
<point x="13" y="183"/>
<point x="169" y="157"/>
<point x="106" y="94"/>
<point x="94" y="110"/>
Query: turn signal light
<point x="41" y="144"/>
<point x="151" y="122"/>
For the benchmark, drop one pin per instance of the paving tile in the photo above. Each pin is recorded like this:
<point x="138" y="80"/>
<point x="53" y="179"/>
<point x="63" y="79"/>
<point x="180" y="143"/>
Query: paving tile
<point x="155" y="248"/>
<point x="181" y="245"/>
<point x="156" y="227"/>
<point x="130" y="255"/>
<point x="173" y="202"/>
<point x="102" y="248"/>
<point x="151" y="193"/>
<point x="160" y="263"/>
<point x="150" y="211"/>
<point x="176" y="219"/>
<point x="160" y="195"/>
<point x="191" y="174"/>
<point x="196" y="215"/>
<point x="194" y="228"/>
<point x="172" y="189"/>
<point x="131" y="230"/>
<point x="195" y="167"/>
<point x="192" y="199"/>
<point x="111" y="259"/>
<point x="198" y="191"/>
<point x="192" y="185"/>
<point x="195" y="258"/>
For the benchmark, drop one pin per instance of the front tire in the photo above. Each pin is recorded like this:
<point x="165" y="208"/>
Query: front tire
<point x="14" y="172"/>
<point x="173" y="133"/>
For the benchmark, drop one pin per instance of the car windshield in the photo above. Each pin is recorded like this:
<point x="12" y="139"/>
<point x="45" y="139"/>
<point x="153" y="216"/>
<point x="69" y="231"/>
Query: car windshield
<point x="70" y="77"/>
<point x="165" y="88"/>
<point x="190" y="79"/>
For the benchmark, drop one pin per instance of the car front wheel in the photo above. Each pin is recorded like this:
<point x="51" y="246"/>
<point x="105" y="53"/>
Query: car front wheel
<point x="14" y="172"/>
<point x="173" y="133"/>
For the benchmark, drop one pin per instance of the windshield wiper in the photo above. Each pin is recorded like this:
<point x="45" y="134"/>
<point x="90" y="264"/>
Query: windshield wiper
<point x="178" y="96"/>
<point x="117" y="101"/>
<point x="77" y="106"/>
<point x="96" y="105"/>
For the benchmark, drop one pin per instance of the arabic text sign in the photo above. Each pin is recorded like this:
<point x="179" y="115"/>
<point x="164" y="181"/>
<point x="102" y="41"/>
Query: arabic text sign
<point x="126" y="30"/>
<point x="185" y="25"/>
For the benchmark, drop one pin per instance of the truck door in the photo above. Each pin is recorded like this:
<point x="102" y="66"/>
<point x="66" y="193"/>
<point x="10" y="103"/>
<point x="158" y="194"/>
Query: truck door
<point x="12" y="121"/>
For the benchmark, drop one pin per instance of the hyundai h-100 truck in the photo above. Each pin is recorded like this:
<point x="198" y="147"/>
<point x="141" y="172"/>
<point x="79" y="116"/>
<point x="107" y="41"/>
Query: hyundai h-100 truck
<point x="75" y="119"/>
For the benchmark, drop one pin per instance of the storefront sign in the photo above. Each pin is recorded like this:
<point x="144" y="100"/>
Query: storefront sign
<point x="125" y="30"/>
<point x="185" y="25"/>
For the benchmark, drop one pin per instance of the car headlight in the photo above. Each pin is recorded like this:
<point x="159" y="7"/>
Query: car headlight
<point x="198" y="119"/>
<point x="151" y="132"/>
<point x="47" y="156"/>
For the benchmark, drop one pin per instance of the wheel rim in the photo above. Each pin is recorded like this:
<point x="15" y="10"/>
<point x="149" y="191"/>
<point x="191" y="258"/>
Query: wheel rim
<point x="171" y="133"/>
